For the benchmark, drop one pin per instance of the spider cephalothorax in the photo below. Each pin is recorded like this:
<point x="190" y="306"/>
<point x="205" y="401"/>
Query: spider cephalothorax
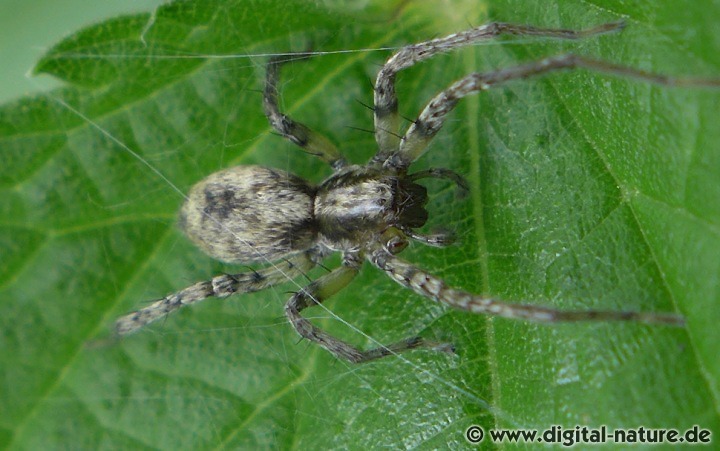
<point x="255" y="214"/>
<point x="358" y="204"/>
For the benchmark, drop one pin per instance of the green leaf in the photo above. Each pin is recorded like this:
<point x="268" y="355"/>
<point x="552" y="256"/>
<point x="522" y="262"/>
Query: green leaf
<point x="587" y="192"/>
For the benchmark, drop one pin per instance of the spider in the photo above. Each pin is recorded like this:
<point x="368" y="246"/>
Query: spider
<point x="255" y="214"/>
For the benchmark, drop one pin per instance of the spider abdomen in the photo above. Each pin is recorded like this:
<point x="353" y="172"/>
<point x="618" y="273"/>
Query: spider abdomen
<point x="250" y="214"/>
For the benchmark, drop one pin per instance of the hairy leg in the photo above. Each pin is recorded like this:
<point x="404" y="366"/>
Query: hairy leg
<point x="296" y="132"/>
<point x="318" y="292"/>
<point x="435" y="288"/>
<point x="386" y="102"/>
<point x="436" y="239"/>
<point x="433" y="116"/>
<point x="442" y="173"/>
<point x="217" y="287"/>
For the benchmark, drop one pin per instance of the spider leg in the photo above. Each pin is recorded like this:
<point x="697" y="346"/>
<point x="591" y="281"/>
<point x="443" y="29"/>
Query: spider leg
<point x="386" y="102"/>
<point x="434" y="288"/>
<point x="437" y="239"/>
<point x="322" y="289"/>
<point x="217" y="287"/>
<point x="433" y="116"/>
<point x="299" y="134"/>
<point x="442" y="173"/>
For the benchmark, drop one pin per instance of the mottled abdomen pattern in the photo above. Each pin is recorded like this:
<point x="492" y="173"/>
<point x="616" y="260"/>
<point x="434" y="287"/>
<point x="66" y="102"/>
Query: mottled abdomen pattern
<point x="250" y="214"/>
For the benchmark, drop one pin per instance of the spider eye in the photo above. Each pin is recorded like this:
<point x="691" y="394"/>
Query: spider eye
<point x="396" y="244"/>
